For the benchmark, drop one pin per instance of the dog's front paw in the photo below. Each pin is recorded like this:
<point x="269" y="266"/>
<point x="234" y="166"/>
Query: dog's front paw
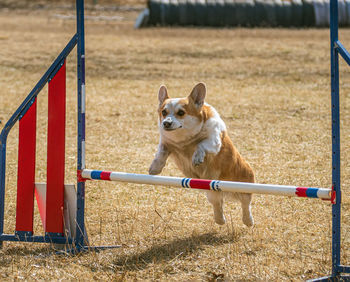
<point x="198" y="157"/>
<point x="155" y="168"/>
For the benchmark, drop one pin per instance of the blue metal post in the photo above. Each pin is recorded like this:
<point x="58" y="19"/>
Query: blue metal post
<point x="2" y="184"/>
<point x="80" y="227"/>
<point x="336" y="208"/>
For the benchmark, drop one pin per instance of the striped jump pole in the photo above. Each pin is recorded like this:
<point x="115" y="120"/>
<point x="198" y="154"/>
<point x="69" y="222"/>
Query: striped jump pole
<point x="215" y="185"/>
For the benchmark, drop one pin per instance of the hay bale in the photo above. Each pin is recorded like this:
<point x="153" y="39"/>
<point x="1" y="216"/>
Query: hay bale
<point x="141" y="21"/>
<point x="191" y="11"/>
<point x="250" y="12"/>
<point x="347" y="8"/>
<point x="172" y="13"/>
<point x="241" y="12"/>
<point x="201" y="12"/>
<point x="211" y="6"/>
<point x="342" y="18"/>
<point x="270" y="11"/>
<point x="220" y="12"/>
<point x="216" y="12"/>
<point x="286" y="13"/>
<point x="297" y="13"/>
<point x="182" y="4"/>
<point x="230" y="13"/>
<point x="279" y="12"/>
<point x="260" y="13"/>
<point x="154" y="12"/>
<point x="320" y="13"/>
<point x="308" y="13"/>
<point x="164" y="7"/>
<point x="327" y="8"/>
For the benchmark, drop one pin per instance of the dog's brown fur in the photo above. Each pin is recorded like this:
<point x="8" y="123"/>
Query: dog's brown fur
<point x="224" y="164"/>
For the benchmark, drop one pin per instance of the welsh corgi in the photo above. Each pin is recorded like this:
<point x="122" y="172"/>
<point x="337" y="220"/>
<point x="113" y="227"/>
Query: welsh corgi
<point x="194" y="135"/>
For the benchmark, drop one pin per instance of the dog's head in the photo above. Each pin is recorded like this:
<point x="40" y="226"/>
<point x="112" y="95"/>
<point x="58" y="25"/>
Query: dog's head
<point x="181" y="116"/>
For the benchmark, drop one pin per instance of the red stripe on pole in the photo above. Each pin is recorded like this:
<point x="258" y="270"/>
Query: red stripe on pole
<point x="200" y="184"/>
<point x="26" y="170"/>
<point x="56" y="152"/>
<point x="301" y="192"/>
<point x="105" y="175"/>
<point x="333" y="195"/>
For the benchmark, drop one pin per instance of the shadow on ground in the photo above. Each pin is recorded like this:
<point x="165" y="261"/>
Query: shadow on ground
<point x="159" y="253"/>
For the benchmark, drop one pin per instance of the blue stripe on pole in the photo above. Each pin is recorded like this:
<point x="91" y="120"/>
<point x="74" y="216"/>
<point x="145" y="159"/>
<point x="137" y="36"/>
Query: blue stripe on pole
<point x="216" y="186"/>
<point x="212" y="185"/>
<point x="311" y="192"/>
<point x="96" y="174"/>
<point x="183" y="182"/>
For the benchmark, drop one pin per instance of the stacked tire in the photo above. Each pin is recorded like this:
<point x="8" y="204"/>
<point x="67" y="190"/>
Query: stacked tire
<point x="246" y="13"/>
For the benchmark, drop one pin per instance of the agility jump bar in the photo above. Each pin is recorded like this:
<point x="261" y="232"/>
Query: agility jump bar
<point x="204" y="184"/>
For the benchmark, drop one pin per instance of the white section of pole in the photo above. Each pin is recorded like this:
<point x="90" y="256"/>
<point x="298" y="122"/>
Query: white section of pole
<point x="227" y="186"/>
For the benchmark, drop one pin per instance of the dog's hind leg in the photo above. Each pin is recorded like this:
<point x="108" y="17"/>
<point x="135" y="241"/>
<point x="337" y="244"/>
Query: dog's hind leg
<point x="247" y="217"/>
<point x="217" y="200"/>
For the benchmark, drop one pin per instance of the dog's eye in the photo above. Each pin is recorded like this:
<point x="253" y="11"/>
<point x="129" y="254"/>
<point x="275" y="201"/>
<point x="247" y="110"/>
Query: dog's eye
<point x="180" y="113"/>
<point x="164" y="113"/>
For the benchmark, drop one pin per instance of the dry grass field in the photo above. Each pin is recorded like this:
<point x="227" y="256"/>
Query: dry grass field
<point x="271" y="87"/>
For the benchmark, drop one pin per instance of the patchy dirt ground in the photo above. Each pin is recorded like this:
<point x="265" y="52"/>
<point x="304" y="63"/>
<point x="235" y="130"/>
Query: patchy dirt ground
<point x="271" y="87"/>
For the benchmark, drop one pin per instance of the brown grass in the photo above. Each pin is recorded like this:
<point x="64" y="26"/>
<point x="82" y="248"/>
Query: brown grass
<point x="70" y="4"/>
<point x="271" y="87"/>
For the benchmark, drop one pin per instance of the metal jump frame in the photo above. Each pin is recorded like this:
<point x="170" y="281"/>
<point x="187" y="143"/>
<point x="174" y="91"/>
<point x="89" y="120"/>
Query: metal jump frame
<point x="79" y="242"/>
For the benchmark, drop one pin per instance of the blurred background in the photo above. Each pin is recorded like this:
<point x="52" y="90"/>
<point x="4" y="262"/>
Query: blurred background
<point x="266" y="65"/>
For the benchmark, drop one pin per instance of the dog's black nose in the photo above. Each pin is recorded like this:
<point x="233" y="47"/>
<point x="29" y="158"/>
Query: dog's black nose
<point x="167" y="124"/>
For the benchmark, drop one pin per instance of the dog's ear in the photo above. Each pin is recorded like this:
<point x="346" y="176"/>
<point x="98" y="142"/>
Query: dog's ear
<point x="197" y="95"/>
<point x="162" y="94"/>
